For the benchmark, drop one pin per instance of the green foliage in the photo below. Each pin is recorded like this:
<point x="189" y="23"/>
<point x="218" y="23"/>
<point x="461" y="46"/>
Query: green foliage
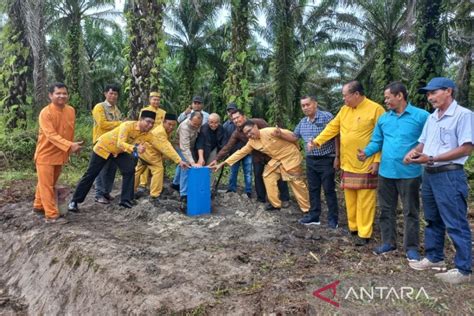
<point x="430" y="53"/>
<point x="14" y="70"/>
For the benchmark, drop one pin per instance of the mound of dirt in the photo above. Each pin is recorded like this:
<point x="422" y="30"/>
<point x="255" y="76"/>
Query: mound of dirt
<point x="240" y="260"/>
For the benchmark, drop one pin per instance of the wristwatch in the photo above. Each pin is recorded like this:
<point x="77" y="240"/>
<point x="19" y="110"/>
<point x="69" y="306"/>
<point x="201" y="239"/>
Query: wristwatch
<point x="430" y="161"/>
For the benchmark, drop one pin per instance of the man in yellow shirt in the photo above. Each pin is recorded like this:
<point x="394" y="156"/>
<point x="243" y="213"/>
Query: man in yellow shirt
<point x="160" y="115"/>
<point x="152" y="159"/>
<point x="355" y="123"/>
<point x="285" y="163"/>
<point x="106" y="117"/>
<point x="123" y="144"/>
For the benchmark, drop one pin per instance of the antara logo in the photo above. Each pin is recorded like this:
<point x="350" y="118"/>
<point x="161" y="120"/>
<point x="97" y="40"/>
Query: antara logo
<point x="331" y="286"/>
<point x="371" y="293"/>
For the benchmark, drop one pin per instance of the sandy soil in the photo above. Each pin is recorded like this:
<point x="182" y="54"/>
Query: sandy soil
<point x="241" y="260"/>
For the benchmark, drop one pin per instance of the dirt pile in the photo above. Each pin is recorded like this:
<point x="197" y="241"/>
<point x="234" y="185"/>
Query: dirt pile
<point x="156" y="260"/>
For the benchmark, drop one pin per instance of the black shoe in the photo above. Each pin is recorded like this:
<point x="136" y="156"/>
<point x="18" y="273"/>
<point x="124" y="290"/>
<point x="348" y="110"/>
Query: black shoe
<point x="72" y="207"/>
<point x="175" y="186"/>
<point x="141" y="192"/>
<point x="249" y="195"/>
<point x="354" y="232"/>
<point x="359" y="241"/>
<point x="229" y="191"/>
<point x="270" y="207"/>
<point x="108" y="196"/>
<point x="333" y="224"/>
<point x="126" y="204"/>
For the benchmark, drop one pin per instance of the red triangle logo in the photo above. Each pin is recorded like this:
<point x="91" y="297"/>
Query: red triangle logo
<point x="331" y="286"/>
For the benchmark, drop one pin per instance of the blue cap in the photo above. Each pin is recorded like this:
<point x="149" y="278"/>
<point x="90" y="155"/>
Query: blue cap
<point x="438" y="83"/>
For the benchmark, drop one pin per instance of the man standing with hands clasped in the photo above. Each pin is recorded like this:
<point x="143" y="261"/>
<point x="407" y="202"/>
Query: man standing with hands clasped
<point x="444" y="146"/>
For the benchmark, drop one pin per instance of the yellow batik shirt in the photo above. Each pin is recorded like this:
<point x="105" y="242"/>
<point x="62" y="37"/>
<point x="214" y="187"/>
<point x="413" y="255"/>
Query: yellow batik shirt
<point x="355" y="127"/>
<point x="106" y="118"/>
<point x="155" y="156"/>
<point x="123" y="139"/>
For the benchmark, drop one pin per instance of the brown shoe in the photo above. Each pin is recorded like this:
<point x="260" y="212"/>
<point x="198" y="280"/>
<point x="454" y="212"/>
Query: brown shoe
<point x="56" y="220"/>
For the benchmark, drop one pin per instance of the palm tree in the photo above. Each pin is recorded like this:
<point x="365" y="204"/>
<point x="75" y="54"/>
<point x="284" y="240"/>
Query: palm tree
<point x="430" y="54"/>
<point x="146" y="50"/>
<point x="386" y="26"/>
<point x="459" y="39"/>
<point x="103" y="56"/>
<point x="69" y="15"/>
<point x="15" y="67"/>
<point x="34" y="13"/>
<point x="190" y="30"/>
<point x="281" y="18"/>
<point x="237" y="88"/>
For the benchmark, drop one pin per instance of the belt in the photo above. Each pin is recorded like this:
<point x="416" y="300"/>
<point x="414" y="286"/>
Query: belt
<point x="444" y="168"/>
<point x="320" y="157"/>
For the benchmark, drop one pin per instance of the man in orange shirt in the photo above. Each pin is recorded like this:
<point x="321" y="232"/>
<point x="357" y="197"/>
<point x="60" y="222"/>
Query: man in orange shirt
<point x="55" y="143"/>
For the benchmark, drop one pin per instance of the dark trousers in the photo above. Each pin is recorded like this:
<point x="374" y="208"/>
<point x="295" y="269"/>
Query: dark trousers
<point x="105" y="180"/>
<point x="388" y="192"/>
<point x="260" y="186"/>
<point x="444" y="197"/>
<point x="320" y="172"/>
<point x="126" y="164"/>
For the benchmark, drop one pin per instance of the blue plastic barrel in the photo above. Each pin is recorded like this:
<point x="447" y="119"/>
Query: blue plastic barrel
<point x="199" y="191"/>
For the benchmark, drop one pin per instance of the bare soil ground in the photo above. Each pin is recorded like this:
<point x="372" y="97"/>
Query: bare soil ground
<point x="241" y="260"/>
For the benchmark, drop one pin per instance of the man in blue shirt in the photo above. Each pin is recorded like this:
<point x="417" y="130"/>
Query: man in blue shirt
<point x="444" y="146"/>
<point x="321" y="163"/>
<point x="396" y="132"/>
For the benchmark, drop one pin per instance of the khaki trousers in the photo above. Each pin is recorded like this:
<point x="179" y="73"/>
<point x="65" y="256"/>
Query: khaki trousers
<point x="157" y="174"/>
<point x="297" y="185"/>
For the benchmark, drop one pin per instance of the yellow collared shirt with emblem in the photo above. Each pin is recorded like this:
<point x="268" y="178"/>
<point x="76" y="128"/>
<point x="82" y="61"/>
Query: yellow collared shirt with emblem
<point x="355" y="127"/>
<point x="123" y="139"/>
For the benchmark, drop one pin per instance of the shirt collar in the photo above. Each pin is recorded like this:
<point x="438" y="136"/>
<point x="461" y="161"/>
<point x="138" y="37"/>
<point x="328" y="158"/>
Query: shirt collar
<point x="449" y="112"/>
<point x="408" y="110"/>
<point x="308" y="120"/>
<point x="107" y="103"/>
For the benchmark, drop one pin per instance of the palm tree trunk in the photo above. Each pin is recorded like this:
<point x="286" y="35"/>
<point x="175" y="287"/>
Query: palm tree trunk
<point x="145" y="24"/>
<point x="236" y="83"/>
<point x="430" y="55"/>
<point x="15" y="68"/>
<point x="34" y="19"/>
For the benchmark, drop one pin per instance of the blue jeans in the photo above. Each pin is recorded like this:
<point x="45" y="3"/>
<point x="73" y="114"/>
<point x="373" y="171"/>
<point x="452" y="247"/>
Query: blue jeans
<point x="234" y="172"/>
<point x="183" y="182"/>
<point x="177" y="172"/>
<point x="444" y="198"/>
<point x="105" y="180"/>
